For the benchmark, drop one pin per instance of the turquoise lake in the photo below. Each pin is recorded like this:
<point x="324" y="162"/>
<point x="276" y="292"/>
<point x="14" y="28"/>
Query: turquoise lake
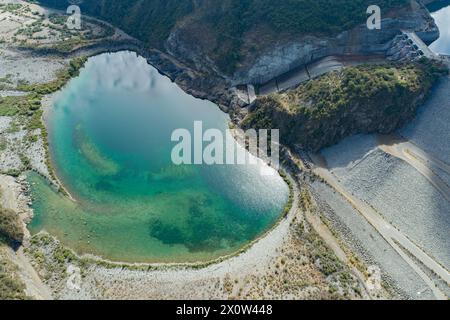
<point x="110" y="143"/>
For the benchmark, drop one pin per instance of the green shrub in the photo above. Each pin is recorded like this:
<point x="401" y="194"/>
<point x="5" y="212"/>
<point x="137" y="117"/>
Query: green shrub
<point x="20" y="105"/>
<point x="11" y="226"/>
<point x="61" y="79"/>
<point x="3" y="143"/>
<point x="12" y="172"/>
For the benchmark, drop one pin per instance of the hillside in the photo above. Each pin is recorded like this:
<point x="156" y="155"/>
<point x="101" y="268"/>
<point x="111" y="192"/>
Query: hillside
<point x="228" y="31"/>
<point x="321" y="112"/>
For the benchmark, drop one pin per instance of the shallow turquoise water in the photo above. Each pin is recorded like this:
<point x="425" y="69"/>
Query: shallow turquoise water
<point x="109" y="135"/>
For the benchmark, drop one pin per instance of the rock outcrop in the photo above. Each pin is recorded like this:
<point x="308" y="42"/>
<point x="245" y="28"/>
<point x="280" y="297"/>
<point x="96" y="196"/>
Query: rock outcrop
<point x="288" y="54"/>
<point x="323" y="111"/>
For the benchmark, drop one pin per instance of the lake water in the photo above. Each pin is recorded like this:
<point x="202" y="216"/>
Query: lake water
<point x="442" y="18"/>
<point x="110" y="141"/>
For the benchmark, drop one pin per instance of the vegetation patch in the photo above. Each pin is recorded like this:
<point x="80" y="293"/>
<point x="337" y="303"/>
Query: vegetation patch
<point x="11" y="7"/>
<point x="11" y="229"/>
<point x="11" y="287"/>
<point x="61" y="78"/>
